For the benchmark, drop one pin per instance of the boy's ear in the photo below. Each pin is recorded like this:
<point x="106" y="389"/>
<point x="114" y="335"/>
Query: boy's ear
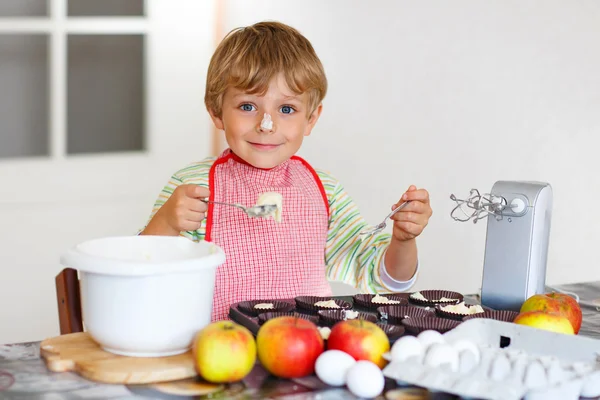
<point x="216" y="120"/>
<point x="312" y="120"/>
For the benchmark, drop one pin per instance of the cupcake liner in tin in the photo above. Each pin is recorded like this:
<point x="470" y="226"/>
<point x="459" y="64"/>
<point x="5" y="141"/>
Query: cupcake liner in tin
<point x="365" y="300"/>
<point x="434" y="296"/>
<point x="331" y="317"/>
<point x="418" y="325"/>
<point x="264" y="317"/>
<point x="247" y="307"/>
<point x="499" y="315"/>
<point x="395" y="314"/>
<point x="451" y="314"/>
<point x="393" y="332"/>
<point x="307" y="303"/>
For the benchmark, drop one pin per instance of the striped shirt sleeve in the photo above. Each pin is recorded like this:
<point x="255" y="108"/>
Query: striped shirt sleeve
<point x="195" y="173"/>
<point x="349" y="257"/>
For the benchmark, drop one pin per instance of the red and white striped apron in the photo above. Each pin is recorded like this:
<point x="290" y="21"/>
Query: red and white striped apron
<point x="266" y="259"/>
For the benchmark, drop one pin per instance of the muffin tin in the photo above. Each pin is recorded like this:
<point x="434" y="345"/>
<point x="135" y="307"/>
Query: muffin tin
<point x="409" y="317"/>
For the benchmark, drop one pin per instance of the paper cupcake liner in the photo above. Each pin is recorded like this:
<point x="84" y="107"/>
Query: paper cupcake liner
<point x="307" y="303"/>
<point x="264" y="317"/>
<point x="499" y="315"/>
<point x="331" y="317"/>
<point x="450" y="314"/>
<point x="418" y="325"/>
<point x="364" y="300"/>
<point x="433" y="297"/>
<point x="395" y="314"/>
<point x="247" y="307"/>
<point x="393" y="332"/>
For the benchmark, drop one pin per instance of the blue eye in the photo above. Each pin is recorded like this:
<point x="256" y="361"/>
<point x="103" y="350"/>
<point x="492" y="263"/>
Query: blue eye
<point x="287" y="110"/>
<point x="247" y="107"/>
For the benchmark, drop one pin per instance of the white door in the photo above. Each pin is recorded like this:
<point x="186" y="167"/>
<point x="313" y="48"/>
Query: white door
<point x="100" y="102"/>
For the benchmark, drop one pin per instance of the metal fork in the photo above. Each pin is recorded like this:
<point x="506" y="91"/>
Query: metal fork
<point x="383" y="224"/>
<point x="263" y="210"/>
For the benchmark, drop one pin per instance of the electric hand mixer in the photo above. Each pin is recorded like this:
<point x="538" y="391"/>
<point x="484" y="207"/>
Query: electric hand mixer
<point x="516" y="246"/>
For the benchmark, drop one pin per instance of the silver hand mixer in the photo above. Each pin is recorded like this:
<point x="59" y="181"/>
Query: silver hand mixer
<point x="517" y="237"/>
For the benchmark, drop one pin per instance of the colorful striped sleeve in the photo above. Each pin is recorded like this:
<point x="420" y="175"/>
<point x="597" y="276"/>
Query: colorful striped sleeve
<point x="350" y="258"/>
<point x="195" y="173"/>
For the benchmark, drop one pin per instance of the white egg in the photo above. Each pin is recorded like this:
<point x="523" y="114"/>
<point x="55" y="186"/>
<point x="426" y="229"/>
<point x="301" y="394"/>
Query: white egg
<point x="427" y="338"/>
<point x="332" y="366"/>
<point x="365" y="379"/>
<point x="466" y="345"/>
<point x="441" y="354"/>
<point x="405" y="347"/>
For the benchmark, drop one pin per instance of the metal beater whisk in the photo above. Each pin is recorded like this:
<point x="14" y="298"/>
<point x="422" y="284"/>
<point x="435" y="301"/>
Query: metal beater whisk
<point x="482" y="206"/>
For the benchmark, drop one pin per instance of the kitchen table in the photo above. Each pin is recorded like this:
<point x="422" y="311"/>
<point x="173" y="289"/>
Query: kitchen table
<point x="23" y="374"/>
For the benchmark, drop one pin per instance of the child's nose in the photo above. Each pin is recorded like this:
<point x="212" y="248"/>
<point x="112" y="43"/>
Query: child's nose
<point x="266" y="124"/>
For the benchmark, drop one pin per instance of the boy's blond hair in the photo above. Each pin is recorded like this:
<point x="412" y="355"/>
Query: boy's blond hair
<point x="248" y="58"/>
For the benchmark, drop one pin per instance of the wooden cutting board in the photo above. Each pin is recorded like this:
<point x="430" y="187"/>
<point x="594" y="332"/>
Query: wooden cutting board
<point x="79" y="353"/>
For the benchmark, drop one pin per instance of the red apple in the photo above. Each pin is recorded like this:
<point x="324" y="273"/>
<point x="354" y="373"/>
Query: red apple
<point x="288" y="347"/>
<point x="558" y="303"/>
<point x="545" y="320"/>
<point x="362" y="339"/>
<point x="224" y="352"/>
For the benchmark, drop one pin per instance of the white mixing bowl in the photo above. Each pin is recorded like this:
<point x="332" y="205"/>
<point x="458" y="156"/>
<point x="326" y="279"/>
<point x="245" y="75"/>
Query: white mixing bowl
<point x="145" y="296"/>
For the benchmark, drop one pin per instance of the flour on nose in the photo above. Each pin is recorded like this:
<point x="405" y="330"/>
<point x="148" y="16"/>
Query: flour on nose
<point x="267" y="122"/>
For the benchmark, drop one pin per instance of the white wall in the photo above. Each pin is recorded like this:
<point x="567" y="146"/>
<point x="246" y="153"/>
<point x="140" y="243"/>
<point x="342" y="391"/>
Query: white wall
<point x="452" y="96"/>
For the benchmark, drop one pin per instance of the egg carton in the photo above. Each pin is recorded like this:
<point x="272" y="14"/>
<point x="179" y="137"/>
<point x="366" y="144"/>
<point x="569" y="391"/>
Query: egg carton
<point x="489" y="359"/>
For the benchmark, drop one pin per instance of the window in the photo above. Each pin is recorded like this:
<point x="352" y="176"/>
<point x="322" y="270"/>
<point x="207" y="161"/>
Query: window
<point x="73" y="77"/>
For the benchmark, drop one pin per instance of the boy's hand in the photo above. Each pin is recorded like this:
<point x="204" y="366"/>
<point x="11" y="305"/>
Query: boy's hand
<point x="412" y="219"/>
<point x="184" y="211"/>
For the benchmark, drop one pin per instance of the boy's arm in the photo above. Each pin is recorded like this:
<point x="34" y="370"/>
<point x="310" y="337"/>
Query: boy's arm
<point x="196" y="173"/>
<point x="353" y="259"/>
<point x="162" y="198"/>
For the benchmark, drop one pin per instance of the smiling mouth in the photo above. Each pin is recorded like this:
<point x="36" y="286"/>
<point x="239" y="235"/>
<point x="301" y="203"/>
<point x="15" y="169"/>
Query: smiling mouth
<point x="261" y="146"/>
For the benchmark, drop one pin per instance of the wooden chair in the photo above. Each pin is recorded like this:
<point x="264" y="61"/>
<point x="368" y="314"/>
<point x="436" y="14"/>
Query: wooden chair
<point x="69" y="301"/>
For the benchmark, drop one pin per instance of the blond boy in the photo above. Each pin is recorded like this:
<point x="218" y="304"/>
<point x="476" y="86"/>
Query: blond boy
<point x="264" y="89"/>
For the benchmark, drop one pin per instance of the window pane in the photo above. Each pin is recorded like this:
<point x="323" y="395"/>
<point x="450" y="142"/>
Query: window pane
<point x="23" y="96"/>
<point x="23" y="8"/>
<point x="105" y="8"/>
<point x="105" y="108"/>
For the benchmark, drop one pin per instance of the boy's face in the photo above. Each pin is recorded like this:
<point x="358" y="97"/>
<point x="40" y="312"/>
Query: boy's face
<point x="243" y="113"/>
